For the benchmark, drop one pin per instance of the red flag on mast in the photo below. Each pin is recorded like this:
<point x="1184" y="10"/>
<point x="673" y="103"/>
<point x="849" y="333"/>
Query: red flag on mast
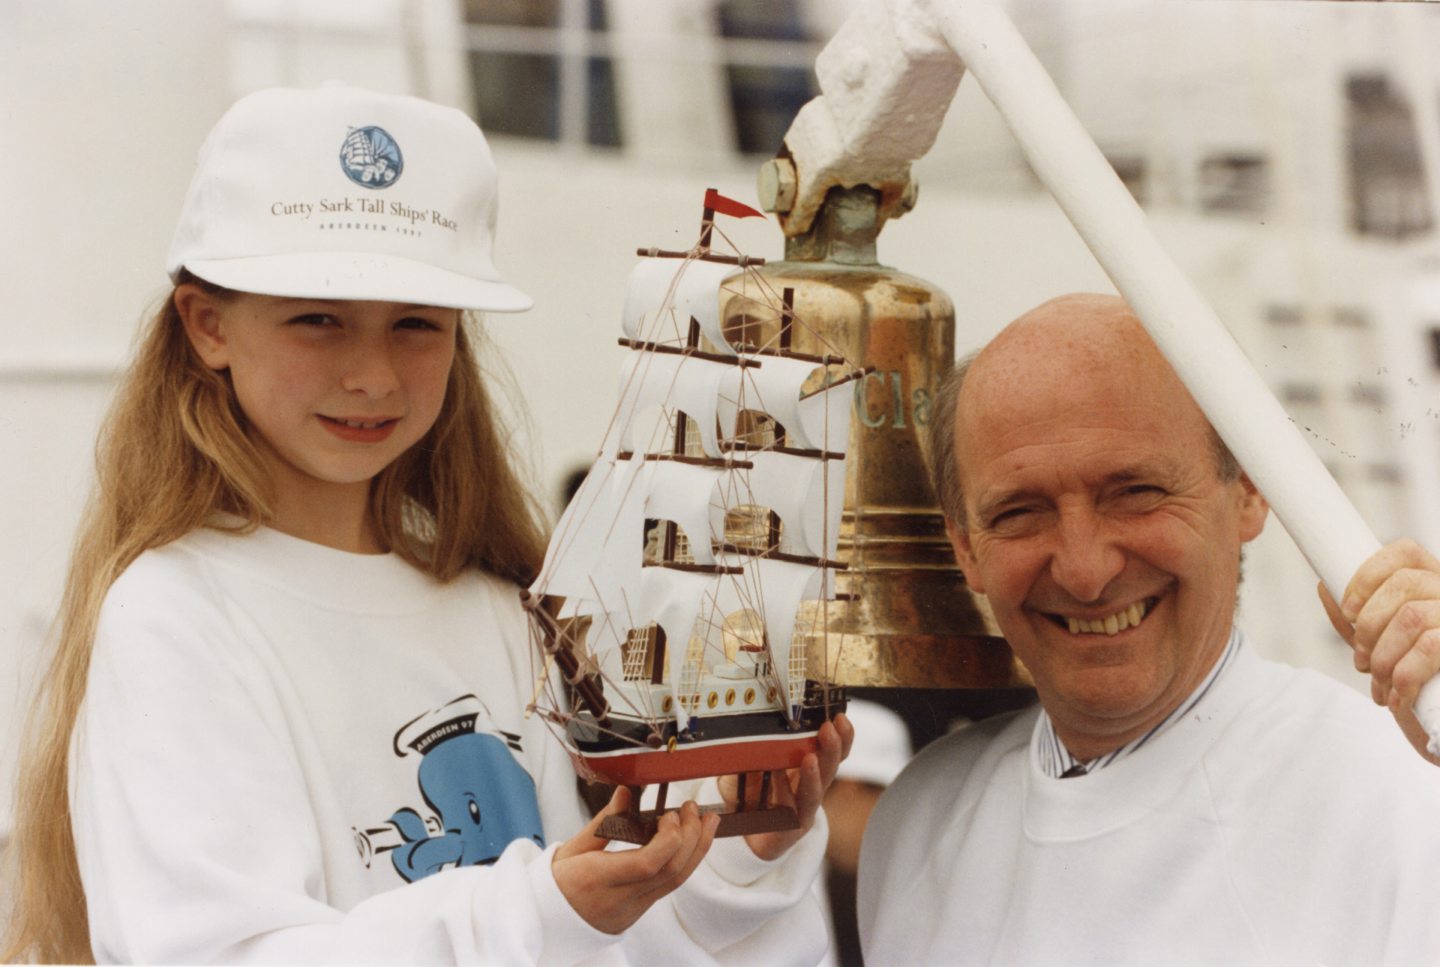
<point x="728" y="206"/>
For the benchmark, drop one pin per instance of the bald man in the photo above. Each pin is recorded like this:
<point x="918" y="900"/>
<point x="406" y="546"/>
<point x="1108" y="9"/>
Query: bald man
<point x="1173" y="798"/>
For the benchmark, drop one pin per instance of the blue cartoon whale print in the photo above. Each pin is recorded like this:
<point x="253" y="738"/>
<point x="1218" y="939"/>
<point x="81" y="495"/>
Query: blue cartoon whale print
<point x="469" y="778"/>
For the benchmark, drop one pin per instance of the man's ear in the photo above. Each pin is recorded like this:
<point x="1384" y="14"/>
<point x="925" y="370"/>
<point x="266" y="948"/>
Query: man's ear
<point x="1254" y="508"/>
<point x="964" y="555"/>
<point x="200" y="313"/>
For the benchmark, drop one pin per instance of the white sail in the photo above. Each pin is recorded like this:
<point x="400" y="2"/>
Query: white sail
<point x="825" y="419"/>
<point x="660" y="301"/>
<point x="604" y="637"/>
<point x="592" y="499"/>
<point x="731" y="395"/>
<point x="694" y="498"/>
<point x="776" y="588"/>
<point x="674" y="600"/>
<point x="598" y="546"/>
<point x="820" y="421"/>
<point x="689" y="384"/>
<point x="807" y="494"/>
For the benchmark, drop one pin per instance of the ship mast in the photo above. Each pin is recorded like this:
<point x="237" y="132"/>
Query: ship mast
<point x="669" y="543"/>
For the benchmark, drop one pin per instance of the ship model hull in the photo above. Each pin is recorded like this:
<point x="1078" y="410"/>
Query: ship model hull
<point x="630" y="751"/>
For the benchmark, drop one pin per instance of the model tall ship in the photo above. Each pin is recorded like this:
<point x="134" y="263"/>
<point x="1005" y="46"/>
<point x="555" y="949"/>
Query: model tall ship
<point x="671" y="588"/>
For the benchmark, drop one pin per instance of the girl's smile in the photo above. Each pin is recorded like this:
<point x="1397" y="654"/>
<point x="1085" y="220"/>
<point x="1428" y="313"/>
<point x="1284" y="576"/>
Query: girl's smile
<point x="358" y="430"/>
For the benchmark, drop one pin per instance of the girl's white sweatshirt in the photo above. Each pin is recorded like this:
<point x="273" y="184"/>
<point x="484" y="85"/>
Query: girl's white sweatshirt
<point x="292" y="754"/>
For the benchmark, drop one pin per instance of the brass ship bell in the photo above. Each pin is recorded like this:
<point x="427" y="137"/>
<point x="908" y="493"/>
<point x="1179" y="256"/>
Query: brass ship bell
<point x="904" y="616"/>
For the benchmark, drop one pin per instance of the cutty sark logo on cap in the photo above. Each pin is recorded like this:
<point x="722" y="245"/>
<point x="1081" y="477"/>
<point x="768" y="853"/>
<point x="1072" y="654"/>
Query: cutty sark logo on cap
<point x="371" y="158"/>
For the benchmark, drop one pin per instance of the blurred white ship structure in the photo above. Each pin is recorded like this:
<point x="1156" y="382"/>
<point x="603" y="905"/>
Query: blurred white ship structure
<point x="672" y="590"/>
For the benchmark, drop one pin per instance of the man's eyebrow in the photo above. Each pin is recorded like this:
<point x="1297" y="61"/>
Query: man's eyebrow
<point x="1000" y="501"/>
<point x="1129" y="474"/>
<point x="992" y="504"/>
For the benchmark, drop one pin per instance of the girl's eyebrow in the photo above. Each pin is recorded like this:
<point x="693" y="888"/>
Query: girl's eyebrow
<point x="315" y="301"/>
<point x="286" y="300"/>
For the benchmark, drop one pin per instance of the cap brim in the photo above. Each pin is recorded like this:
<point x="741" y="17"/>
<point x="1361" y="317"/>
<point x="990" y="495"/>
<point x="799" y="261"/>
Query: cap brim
<point x="359" y="275"/>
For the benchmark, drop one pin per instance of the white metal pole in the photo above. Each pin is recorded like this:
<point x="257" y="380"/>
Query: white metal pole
<point x="1308" y="501"/>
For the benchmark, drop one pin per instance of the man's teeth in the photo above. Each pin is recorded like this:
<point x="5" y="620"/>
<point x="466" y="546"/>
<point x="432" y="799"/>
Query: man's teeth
<point x="1114" y="624"/>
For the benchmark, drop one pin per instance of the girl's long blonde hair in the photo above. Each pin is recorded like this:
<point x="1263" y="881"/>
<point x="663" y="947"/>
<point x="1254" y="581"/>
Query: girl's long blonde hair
<point x="173" y="452"/>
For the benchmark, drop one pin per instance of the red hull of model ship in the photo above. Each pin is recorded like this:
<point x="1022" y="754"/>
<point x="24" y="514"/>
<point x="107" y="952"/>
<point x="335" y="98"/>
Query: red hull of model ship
<point x="649" y="766"/>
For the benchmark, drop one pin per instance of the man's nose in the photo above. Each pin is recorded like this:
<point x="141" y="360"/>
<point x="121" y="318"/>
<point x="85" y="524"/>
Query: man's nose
<point x="1086" y="557"/>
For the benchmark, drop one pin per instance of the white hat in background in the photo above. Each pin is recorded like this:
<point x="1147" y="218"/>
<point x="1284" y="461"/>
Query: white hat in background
<point x="341" y="193"/>
<point x="882" y="744"/>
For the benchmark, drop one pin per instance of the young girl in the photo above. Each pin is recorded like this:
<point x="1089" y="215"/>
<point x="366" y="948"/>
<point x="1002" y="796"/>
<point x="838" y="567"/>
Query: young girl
<point x="285" y="719"/>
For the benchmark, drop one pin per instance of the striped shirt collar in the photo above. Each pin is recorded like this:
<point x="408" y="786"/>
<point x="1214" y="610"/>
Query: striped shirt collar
<point x="1056" y="760"/>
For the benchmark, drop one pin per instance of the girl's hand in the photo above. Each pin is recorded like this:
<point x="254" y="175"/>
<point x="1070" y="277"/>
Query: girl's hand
<point x="611" y="890"/>
<point x="1391" y="619"/>
<point x="804" y="788"/>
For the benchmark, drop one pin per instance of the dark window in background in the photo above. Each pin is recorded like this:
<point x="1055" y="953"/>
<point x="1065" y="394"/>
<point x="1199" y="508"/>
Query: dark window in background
<point x="516" y="92"/>
<point x="1386" y="177"/>
<point x="765" y="98"/>
<point x="602" y="116"/>
<point x="1284" y="315"/>
<point x="1351" y="317"/>
<point x="1234" y="184"/>
<point x="533" y="80"/>
<point x="1301" y="393"/>
<point x="1131" y="170"/>
<point x="1387" y="473"/>
<point x="517" y="71"/>
<point x="1435" y="346"/>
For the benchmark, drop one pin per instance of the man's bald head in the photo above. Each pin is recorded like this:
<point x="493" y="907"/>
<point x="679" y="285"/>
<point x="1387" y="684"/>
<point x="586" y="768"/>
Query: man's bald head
<point x="1069" y="337"/>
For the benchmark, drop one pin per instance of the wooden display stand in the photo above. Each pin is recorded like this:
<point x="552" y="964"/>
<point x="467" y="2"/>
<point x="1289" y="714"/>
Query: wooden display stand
<point x="639" y="826"/>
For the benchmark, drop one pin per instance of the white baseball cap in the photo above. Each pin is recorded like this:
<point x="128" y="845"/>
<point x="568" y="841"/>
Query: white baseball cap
<point x="342" y="193"/>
